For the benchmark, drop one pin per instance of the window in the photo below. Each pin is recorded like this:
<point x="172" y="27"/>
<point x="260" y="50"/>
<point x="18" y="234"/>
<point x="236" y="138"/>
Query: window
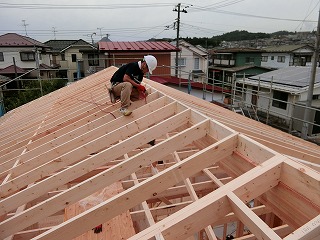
<point x="27" y="56"/>
<point x="1" y="57"/>
<point x="264" y="59"/>
<point x="75" y="75"/>
<point x="272" y="57"/>
<point x="74" y="57"/>
<point x="249" y="60"/>
<point x="283" y="97"/>
<point x="93" y="59"/>
<point x="281" y="58"/>
<point x="196" y="63"/>
<point x="181" y="62"/>
<point x="63" y="57"/>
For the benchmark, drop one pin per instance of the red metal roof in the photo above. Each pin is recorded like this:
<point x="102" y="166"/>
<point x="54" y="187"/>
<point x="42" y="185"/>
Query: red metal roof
<point x="13" y="39"/>
<point x="161" y="46"/>
<point x="10" y="69"/>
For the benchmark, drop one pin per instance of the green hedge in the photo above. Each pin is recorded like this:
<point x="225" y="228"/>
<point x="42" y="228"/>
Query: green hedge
<point x="30" y="90"/>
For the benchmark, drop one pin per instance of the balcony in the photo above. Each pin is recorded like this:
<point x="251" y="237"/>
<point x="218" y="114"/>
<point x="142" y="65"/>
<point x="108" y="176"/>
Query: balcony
<point x="224" y="62"/>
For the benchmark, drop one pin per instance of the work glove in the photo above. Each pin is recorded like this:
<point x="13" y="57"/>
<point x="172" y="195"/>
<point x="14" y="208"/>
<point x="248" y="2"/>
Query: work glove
<point x="97" y="229"/>
<point x="141" y="88"/>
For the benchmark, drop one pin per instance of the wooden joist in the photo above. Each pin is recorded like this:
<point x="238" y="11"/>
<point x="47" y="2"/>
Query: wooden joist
<point x="206" y="166"/>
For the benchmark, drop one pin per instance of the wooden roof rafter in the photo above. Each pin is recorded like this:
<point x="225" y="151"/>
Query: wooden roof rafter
<point x="198" y="167"/>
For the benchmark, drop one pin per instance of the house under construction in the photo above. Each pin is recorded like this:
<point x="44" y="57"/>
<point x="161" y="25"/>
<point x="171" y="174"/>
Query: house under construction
<point x="179" y="167"/>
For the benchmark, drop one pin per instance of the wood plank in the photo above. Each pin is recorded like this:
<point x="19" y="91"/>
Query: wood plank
<point x="158" y="183"/>
<point x="266" y="135"/>
<point x="118" y="172"/>
<point x="302" y="179"/>
<point x="259" y="228"/>
<point x="310" y="230"/>
<point x="118" y="228"/>
<point x="212" y="207"/>
<point x="73" y="139"/>
<point x="81" y="152"/>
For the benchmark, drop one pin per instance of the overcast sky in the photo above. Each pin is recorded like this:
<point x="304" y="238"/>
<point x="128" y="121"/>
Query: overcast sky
<point x="140" y="20"/>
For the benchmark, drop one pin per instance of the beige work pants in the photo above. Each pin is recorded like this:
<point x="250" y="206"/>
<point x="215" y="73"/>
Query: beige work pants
<point x="126" y="92"/>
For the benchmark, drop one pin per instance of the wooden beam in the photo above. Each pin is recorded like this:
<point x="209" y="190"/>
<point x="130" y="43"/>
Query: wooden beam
<point x="161" y="210"/>
<point x="67" y="142"/>
<point x="213" y="207"/>
<point x="259" y="228"/>
<point x="310" y="230"/>
<point x="91" y="163"/>
<point x="194" y="197"/>
<point x="302" y="179"/>
<point x="281" y="231"/>
<point x="122" y="170"/>
<point x="144" y="190"/>
<point x="81" y="152"/>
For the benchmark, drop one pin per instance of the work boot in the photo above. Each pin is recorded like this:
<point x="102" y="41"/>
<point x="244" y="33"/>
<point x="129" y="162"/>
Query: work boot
<point x="111" y="95"/>
<point x="125" y="111"/>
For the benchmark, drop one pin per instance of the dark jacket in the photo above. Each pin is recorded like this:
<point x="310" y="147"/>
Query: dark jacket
<point x="131" y="69"/>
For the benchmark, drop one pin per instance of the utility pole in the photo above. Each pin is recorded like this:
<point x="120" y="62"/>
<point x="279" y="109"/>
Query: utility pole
<point x="178" y="9"/>
<point x="307" y="118"/>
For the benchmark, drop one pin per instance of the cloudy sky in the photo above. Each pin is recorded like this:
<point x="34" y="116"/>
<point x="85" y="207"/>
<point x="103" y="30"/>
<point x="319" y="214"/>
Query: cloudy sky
<point x="140" y="20"/>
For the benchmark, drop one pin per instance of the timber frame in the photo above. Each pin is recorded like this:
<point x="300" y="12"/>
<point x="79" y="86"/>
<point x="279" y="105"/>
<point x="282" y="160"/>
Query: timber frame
<point x="70" y="161"/>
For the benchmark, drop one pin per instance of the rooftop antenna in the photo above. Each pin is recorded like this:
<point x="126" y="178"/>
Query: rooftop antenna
<point x="54" y="32"/>
<point x="92" y="38"/>
<point x="100" y="31"/>
<point x="25" y="26"/>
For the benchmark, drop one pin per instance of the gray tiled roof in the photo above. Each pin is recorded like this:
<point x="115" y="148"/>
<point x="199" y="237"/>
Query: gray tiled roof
<point x="286" y="48"/>
<point x="59" y="45"/>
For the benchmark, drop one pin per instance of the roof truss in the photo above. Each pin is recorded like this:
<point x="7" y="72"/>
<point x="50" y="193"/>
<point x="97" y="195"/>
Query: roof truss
<point x="69" y="162"/>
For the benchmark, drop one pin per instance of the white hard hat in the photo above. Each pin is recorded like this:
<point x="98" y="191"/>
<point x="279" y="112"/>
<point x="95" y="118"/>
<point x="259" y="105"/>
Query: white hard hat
<point x="151" y="62"/>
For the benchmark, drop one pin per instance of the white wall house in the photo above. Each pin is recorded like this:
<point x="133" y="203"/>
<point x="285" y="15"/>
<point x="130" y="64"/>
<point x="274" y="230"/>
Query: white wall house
<point x="278" y="92"/>
<point x="68" y="55"/>
<point x="277" y="57"/>
<point x="191" y="59"/>
<point x="25" y="53"/>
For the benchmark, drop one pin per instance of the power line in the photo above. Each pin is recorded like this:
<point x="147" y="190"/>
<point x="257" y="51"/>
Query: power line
<point x="81" y="6"/>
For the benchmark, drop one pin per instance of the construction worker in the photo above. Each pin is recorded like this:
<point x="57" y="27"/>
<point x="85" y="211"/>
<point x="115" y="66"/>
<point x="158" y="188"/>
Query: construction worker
<point x="126" y="82"/>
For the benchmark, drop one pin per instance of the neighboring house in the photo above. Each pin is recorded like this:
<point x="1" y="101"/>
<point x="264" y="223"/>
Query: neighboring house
<point x="234" y="63"/>
<point x="20" y="55"/>
<point x="120" y="53"/>
<point x="69" y="56"/>
<point x="286" y="55"/>
<point x="279" y="92"/>
<point x="191" y="60"/>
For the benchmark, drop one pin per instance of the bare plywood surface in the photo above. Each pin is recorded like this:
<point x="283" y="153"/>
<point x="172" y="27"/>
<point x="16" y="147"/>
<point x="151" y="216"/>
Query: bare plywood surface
<point x="118" y="228"/>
